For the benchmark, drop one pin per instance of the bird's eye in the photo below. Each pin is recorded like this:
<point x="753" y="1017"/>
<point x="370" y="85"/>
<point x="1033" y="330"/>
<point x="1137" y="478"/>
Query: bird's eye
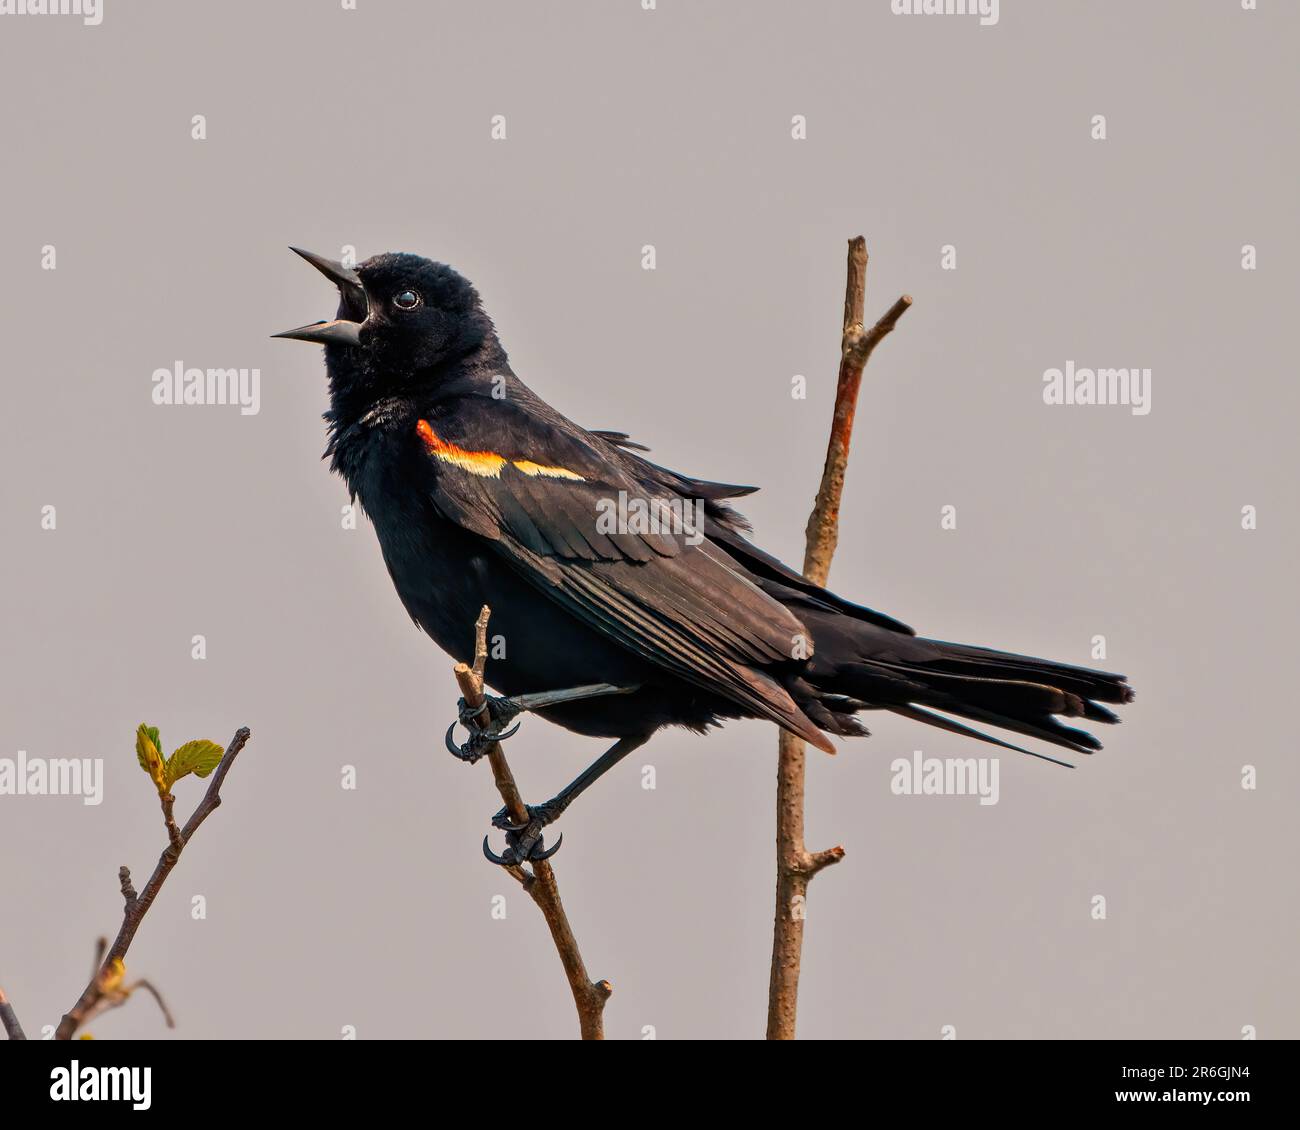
<point x="406" y="300"/>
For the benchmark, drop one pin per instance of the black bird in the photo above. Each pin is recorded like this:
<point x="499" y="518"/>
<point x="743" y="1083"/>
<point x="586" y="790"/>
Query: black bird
<point x="608" y="573"/>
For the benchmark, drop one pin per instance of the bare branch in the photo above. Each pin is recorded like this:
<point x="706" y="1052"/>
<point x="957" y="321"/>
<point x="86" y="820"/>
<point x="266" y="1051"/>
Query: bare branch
<point x="113" y="995"/>
<point x="796" y="865"/>
<point x="855" y="287"/>
<point x="9" y="1019"/>
<point x="169" y="818"/>
<point x="480" y="645"/>
<point x="104" y="988"/>
<point x="147" y="986"/>
<point x="589" y="996"/>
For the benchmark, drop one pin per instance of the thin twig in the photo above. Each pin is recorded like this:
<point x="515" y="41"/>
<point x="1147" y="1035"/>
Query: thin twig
<point x="169" y="818"/>
<point x="796" y="865"/>
<point x="588" y="996"/>
<point x="9" y="1019"/>
<point x="113" y="993"/>
<point x="103" y="988"/>
<point x="148" y="987"/>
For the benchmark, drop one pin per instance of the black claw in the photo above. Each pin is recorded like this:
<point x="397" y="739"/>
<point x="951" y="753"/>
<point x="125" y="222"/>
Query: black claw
<point x="492" y="857"/>
<point x="473" y="749"/>
<point x="479" y="737"/>
<point x="547" y="854"/>
<point x="535" y="851"/>
<point x="502" y="820"/>
<point x="452" y="747"/>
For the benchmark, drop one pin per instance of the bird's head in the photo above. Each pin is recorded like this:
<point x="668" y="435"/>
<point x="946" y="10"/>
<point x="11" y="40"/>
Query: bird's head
<point x="400" y="316"/>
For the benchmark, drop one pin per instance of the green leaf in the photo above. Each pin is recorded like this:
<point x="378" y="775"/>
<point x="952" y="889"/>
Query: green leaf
<point x="199" y="757"/>
<point x="147" y="750"/>
<point x="149" y="756"/>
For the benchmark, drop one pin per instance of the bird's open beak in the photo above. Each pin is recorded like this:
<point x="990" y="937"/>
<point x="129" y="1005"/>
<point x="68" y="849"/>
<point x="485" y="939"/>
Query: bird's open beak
<point x="346" y="279"/>
<point x="352" y="294"/>
<point x="339" y="331"/>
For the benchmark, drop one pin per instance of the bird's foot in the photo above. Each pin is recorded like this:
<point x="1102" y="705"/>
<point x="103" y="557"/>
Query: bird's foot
<point x="501" y="712"/>
<point x="504" y="710"/>
<point x="538" y="814"/>
<point x="524" y="842"/>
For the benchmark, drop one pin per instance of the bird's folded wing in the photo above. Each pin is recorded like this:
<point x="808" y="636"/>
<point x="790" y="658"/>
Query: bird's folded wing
<point x="574" y="526"/>
<point x="727" y="528"/>
<point x="688" y="614"/>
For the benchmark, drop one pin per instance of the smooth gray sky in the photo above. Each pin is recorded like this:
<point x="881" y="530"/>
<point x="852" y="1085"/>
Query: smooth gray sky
<point x="372" y="907"/>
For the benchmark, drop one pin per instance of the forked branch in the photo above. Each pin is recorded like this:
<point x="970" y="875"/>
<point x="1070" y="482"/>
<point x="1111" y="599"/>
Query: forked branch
<point x="108" y="988"/>
<point x="795" y="864"/>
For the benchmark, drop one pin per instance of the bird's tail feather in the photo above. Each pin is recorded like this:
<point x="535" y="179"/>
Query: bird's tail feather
<point x="953" y="727"/>
<point x="1012" y="692"/>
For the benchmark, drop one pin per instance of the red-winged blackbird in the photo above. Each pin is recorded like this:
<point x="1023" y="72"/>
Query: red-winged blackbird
<point x="605" y="571"/>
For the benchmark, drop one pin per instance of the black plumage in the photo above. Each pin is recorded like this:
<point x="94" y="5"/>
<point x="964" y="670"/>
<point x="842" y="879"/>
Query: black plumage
<point x="480" y="493"/>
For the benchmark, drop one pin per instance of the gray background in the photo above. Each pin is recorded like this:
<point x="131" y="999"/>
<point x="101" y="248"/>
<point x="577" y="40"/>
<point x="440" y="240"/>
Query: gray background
<point x="327" y="127"/>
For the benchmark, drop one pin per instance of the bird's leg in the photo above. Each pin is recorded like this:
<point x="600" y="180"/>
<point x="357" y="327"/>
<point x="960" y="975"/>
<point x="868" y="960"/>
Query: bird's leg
<point x="524" y="841"/>
<point x="504" y="710"/>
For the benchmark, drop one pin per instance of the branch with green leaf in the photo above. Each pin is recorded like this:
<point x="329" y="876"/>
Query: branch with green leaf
<point x="199" y="757"/>
<point x="108" y="987"/>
